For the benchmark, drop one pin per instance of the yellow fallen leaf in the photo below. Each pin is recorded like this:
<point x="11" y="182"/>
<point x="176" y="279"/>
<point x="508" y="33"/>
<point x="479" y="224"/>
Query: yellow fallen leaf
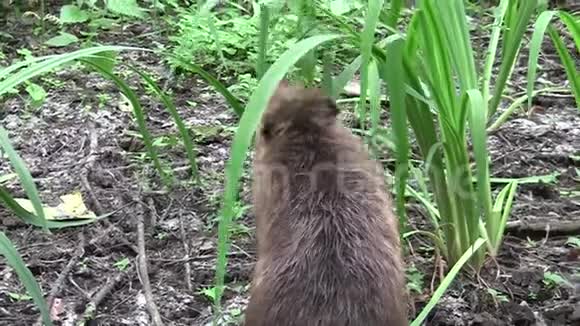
<point x="75" y="206"/>
<point x="71" y="207"/>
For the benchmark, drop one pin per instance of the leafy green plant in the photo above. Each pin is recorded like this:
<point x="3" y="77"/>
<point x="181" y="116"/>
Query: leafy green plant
<point x="497" y="295"/>
<point x="209" y="292"/>
<point x="228" y="38"/>
<point x="554" y="280"/>
<point x="414" y="279"/>
<point x="122" y="264"/>
<point x="573" y="241"/>
<point x="439" y="65"/>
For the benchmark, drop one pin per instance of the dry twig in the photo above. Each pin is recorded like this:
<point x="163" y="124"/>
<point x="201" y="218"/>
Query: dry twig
<point x="142" y="269"/>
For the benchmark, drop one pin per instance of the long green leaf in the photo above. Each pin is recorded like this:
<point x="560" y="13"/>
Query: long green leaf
<point x="573" y="25"/>
<point x="138" y="114"/>
<point x="13" y="258"/>
<point x="187" y="143"/>
<point x="374" y="97"/>
<point x="263" y="40"/>
<point x="39" y="68"/>
<point x="505" y="212"/>
<point x="366" y="48"/>
<point x="499" y="14"/>
<point x="517" y="19"/>
<point x="24" y="176"/>
<point x="14" y="67"/>
<point x="446" y="282"/>
<point x="242" y="139"/>
<point x="478" y="121"/>
<point x="568" y="62"/>
<point x="394" y="75"/>
<point x="394" y="13"/>
<point x="535" y="44"/>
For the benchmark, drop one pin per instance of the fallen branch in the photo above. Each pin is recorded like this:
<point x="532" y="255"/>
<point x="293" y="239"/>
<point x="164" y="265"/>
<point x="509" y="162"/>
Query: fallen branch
<point x="143" y="271"/>
<point x="186" y="249"/>
<point x="553" y="227"/>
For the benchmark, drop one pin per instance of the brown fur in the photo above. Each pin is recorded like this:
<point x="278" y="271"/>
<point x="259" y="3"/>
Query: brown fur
<point x="328" y="243"/>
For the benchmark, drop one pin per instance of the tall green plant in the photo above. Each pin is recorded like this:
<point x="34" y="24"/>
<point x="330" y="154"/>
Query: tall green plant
<point x="440" y="67"/>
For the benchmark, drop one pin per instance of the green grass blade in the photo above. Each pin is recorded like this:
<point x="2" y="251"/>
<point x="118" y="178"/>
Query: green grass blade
<point x="366" y="49"/>
<point x="551" y="178"/>
<point x="15" y="261"/>
<point x="263" y="40"/>
<point x="535" y="45"/>
<point x="506" y="210"/>
<point x="499" y="14"/>
<point x="573" y="25"/>
<point x="446" y="282"/>
<point x="24" y="176"/>
<point x="394" y="13"/>
<point x="439" y="244"/>
<point x="456" y="32"/>
<point x="14" y="67"/>
<point x="168" y="103"/>
<point x="478" y="122"/>
<point x="504" y="116"/>
<point x="216" y="84"/>
<point x="39" y="68"/>
<point x="433" y="211"/>
<point x="568" y="62"/>
<point x="374" y="97"/>
<point x="205" y="11"/>
<point x="306" y="20"/>
<point x="241" y="143"/>
<point x="517" y="19"/>
<point x="138" y="114"/>
<point x="394" y="76"/>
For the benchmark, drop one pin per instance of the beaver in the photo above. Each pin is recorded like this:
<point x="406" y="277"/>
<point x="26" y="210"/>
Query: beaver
<point x="328" y="247"/>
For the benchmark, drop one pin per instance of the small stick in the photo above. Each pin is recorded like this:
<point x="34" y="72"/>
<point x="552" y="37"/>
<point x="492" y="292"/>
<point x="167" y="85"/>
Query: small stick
<point x="142" y="269"/>
<point x="186" y="257"/>
<point x="79" y="251"/>
<point x="91" y="308"/>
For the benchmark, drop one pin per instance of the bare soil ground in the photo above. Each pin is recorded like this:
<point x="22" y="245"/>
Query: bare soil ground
<point x="83" y="138"/>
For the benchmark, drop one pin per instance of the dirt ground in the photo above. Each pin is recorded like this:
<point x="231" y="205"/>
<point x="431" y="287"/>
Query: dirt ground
<point x="83" y="139"/>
